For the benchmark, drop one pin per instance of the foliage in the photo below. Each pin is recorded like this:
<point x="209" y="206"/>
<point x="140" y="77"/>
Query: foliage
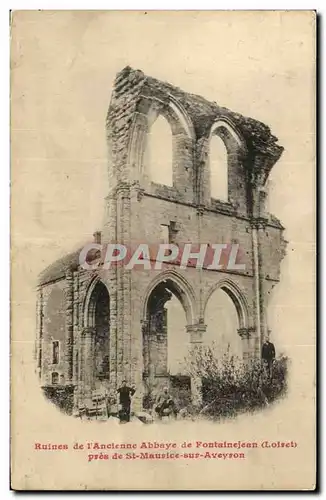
<point x="231" y="385"/>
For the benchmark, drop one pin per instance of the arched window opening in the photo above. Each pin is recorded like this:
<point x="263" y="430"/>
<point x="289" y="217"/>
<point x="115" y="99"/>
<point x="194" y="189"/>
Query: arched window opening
<point x="182" y="119"/>
<point x="166" y="345"/>
<point x="218" y="169"/>
<point x="159" y="152"/>
<point x="222" y="320"/>
<point x="55" y="378"/>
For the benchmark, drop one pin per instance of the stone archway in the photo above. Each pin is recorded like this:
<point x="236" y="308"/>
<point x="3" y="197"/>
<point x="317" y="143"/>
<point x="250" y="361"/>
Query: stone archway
<point x="94" y="345"/>
<point x="222" y="326"/>
<point x="242" y="335"/>
<point x="237" y="297"/>
<point x="166" y="291"/>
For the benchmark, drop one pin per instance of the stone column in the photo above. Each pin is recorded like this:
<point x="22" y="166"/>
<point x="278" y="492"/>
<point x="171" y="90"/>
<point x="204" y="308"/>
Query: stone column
<point x="75" y="354"/>
<point x="196" y="332"/>
<point x="137" y="378"/>
<point x="112" y="278"/>
<point x="249" y="339"/>
<point x="138" y="137"/>
<point x="124" y="305"/>
<point x="39" y="338"/>
<point x="258" y="232"/>
<point x="261" y="226"/>
<point x="145" y="353"/>
<point x="87" y="360"/>
<point x="261" y="168"/>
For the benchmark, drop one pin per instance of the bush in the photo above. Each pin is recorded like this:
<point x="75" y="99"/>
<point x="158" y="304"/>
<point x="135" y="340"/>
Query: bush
<point x="231" y="386"/>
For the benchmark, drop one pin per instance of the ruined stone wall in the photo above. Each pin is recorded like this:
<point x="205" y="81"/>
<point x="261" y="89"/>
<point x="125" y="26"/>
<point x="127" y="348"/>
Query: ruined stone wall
<point x="135" y="209"/>
<point x="53" y="329"/>
<point x="136" y="101"/>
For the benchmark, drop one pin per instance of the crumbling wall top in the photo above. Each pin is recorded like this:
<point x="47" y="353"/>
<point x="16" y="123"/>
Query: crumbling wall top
<point x="131" y="85"/>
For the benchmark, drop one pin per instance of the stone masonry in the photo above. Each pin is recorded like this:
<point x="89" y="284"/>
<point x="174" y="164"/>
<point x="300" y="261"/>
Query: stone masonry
<point x="110" y="323"/>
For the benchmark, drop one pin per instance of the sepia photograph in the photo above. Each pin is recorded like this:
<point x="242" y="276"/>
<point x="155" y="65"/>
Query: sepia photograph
<point x="163" y="250"/>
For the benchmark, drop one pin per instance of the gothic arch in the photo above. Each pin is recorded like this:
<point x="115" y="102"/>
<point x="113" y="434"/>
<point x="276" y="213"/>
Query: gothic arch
<point x="159" y="152"/>
<point x="89" y="303"/>
<point x="174" y="113"/>
<point x="183" y="116"/>
<point x="225" y="129"/>
<point x="237" y="297"/>
<point x="218" y="168"/>
<point x="148" y="110"/>
<point x="180" y="287"/>
<point x="236" y="149"/>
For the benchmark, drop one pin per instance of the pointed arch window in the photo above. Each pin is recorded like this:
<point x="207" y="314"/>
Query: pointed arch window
<point x="218" y="169"/>
<point x="99" y="319"/>
<point x="222" y="320"/>
<point x="159" y="152"/>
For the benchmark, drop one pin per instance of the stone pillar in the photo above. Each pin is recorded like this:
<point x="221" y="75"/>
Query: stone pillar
<point x="261" y="168"/>
<point x="261" y="226"/>
<point x="258" y="231"/>
<point x="136" y="163"/>
<point x="124" y="305"/>
<point x="39" y="329"/>
<point x="69" y="326"/>
<point x="75" y="330"/>
<point x="113" y="328"/>
<point x="249" y="339"/>
<point x="196" y="332"/>
<point x="87" y="360"/>
<point x="138" y="365"/>
<point x="203" y="195"/>
<point x="143" y="388"/>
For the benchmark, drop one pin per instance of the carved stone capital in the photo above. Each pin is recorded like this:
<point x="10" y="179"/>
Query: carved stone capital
<point x="247" y="333"/>
<point x="196" y="332"/>
<point x="123" y="189"/>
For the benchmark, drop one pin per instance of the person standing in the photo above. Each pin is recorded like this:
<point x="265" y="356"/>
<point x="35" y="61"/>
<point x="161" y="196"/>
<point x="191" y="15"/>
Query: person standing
<point x="125" y="394"/>
<point x="268" y="356"/>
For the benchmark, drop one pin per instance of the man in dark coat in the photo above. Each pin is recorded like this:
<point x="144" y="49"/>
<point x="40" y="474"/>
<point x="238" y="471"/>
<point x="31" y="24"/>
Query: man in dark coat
<point x="268" y="356"/>
<point x="125" y="394"/>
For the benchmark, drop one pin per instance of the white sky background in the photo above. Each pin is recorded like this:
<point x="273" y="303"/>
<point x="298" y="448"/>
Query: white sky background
<point x="64" y="89"/>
